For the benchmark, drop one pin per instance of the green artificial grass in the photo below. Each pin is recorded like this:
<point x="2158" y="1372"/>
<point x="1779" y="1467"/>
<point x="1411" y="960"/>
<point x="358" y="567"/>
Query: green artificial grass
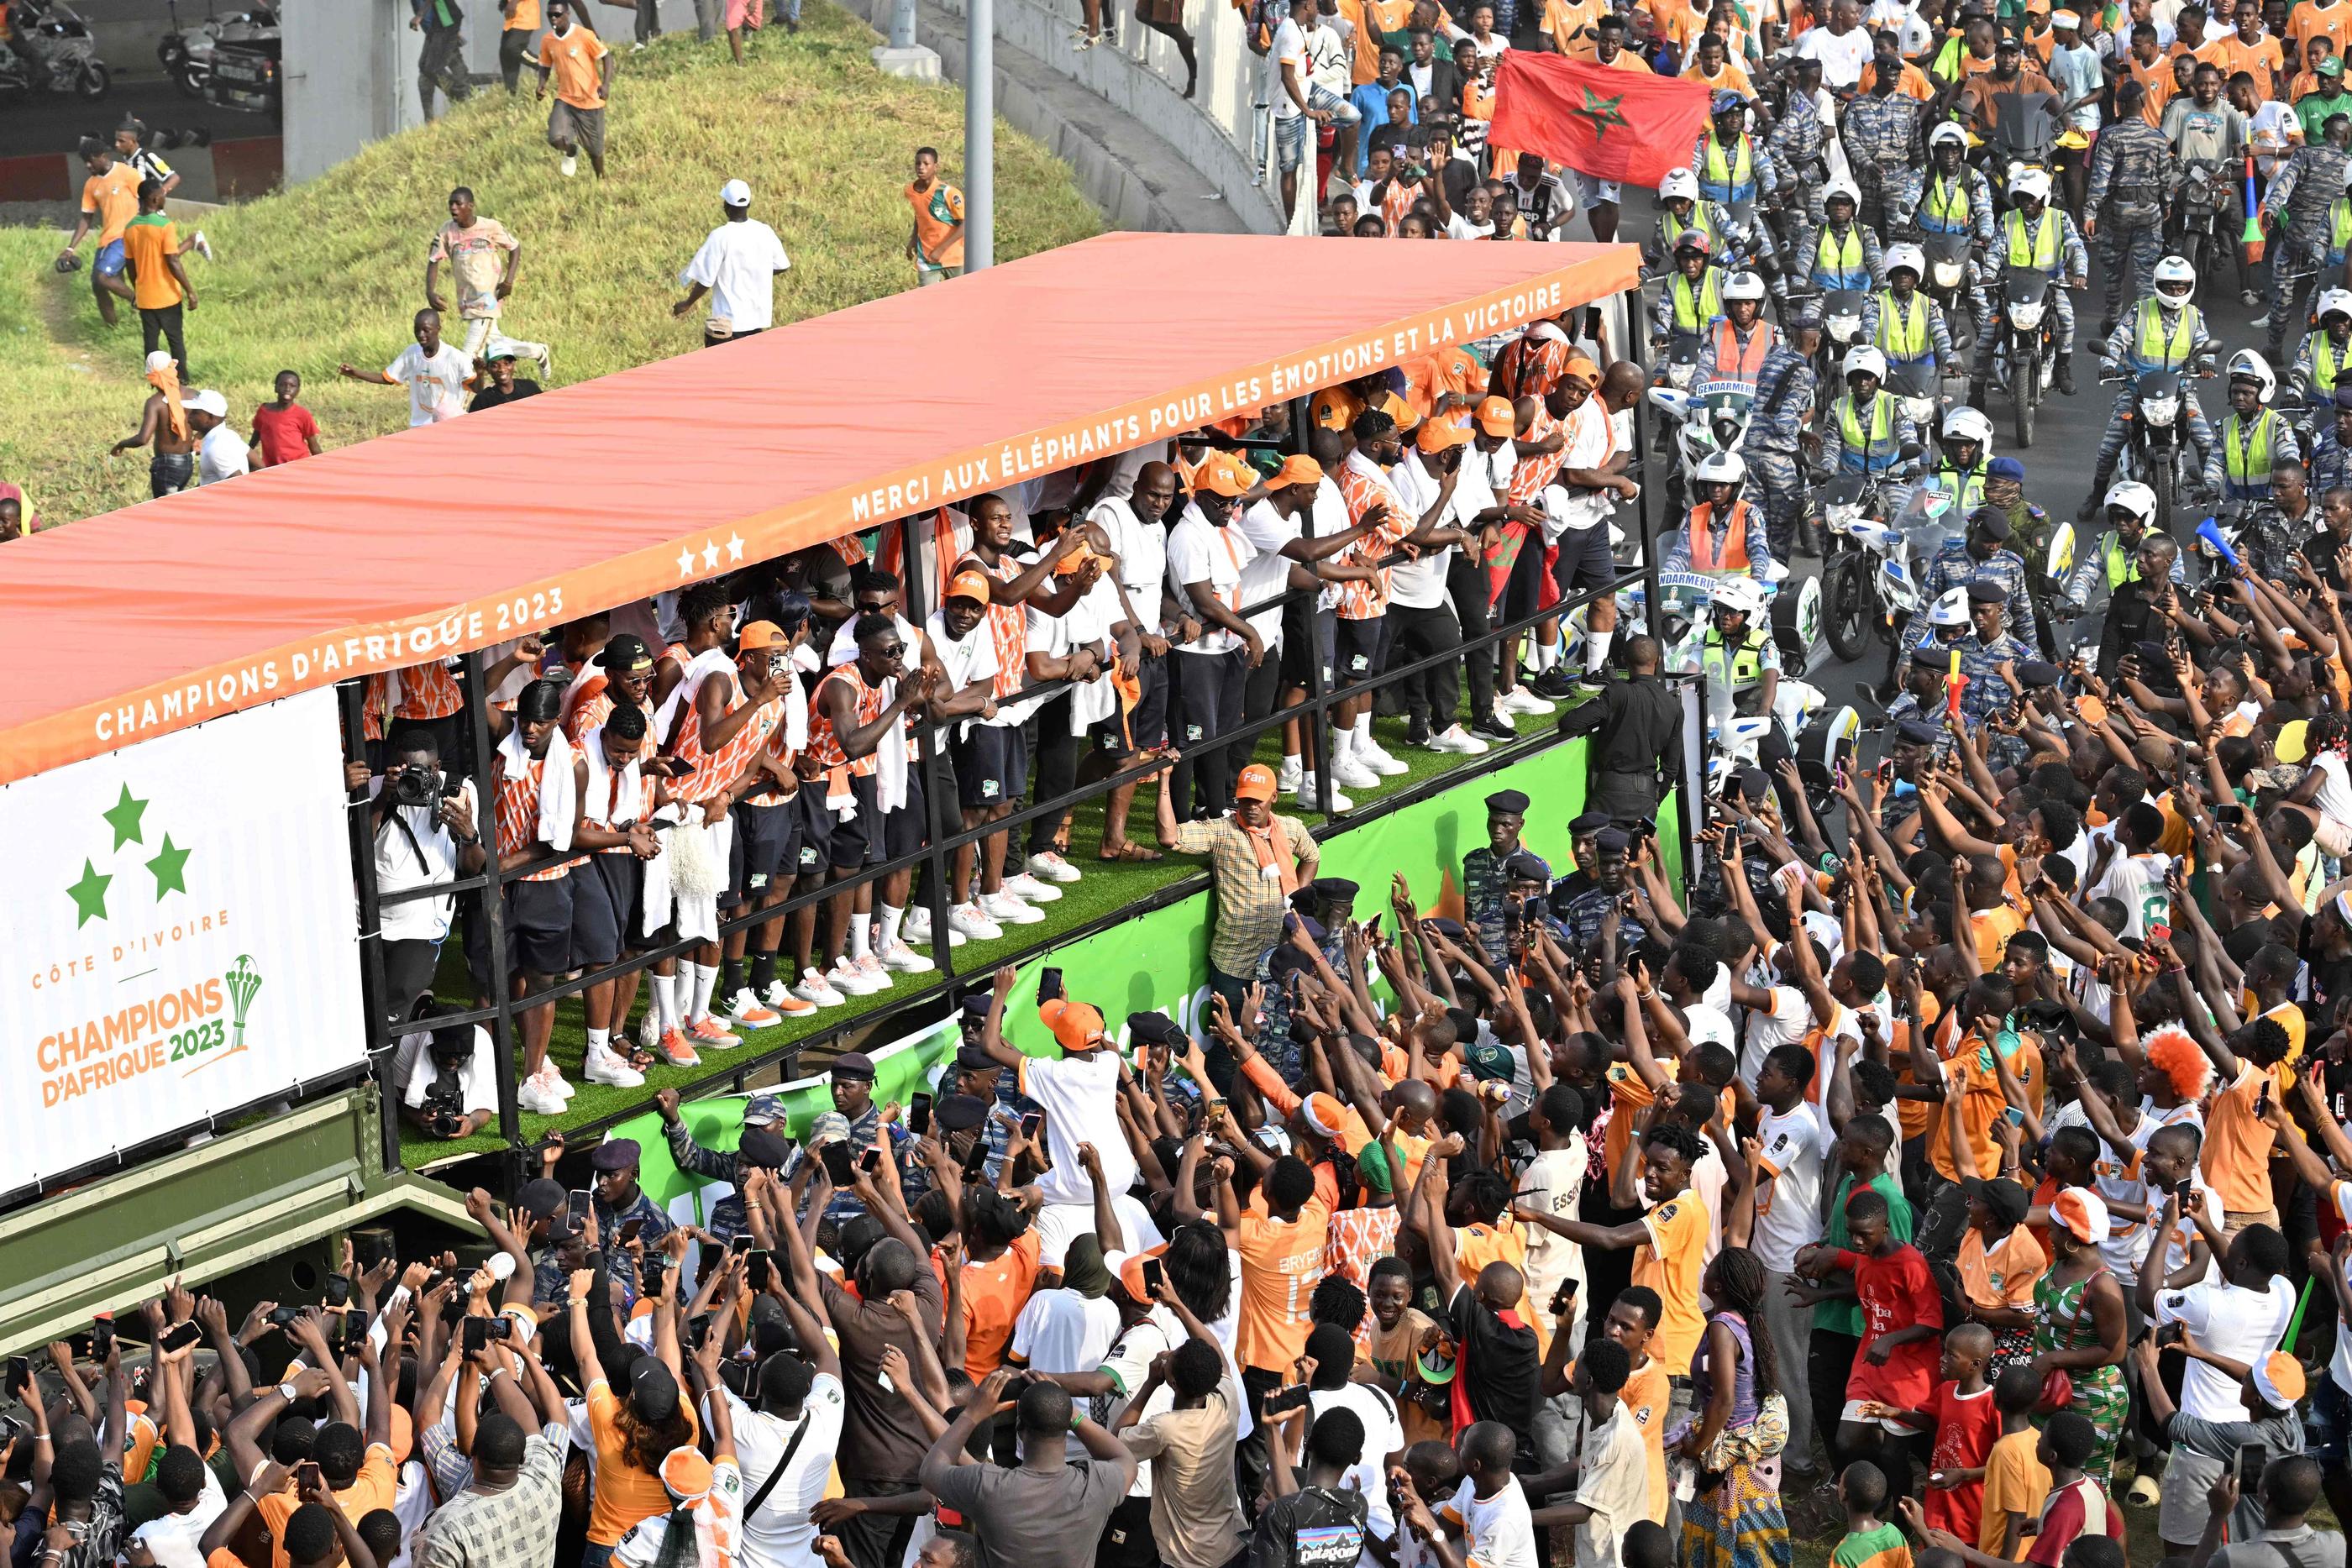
<point x="1105" y="888"/>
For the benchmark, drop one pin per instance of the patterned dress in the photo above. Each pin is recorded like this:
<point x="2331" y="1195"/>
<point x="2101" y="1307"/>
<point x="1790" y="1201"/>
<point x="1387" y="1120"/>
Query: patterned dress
<point x="1738" y="1523"/>
<point x="2063" y="1321"/>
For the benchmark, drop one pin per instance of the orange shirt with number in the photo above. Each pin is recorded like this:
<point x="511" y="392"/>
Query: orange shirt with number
<point x="1282" y="1262"/>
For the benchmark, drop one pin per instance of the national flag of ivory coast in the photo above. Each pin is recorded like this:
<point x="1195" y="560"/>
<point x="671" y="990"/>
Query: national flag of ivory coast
<point x="1610" y="124"/>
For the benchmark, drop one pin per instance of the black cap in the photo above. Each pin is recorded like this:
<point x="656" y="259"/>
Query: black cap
<point x="1987" y="593"/>
<point x="653" y="1392"/>
<point x="1512" y="800"/>
<point x="542" y="701"/>
<point x="616" y="1155"/>
<point x="762" y="1148"/>
<point x="1918" y="732"/>
<point x="977" y="1004"/>
<point x="2007" y="1199"/>
<point x="626" y="654"/>
<point x="959" y="1112"/>
<point x="1447" y="927"/>
<point x="1613" y="841"/>
<point x="541" y="1196"/>
<point x="854" y="1066"/>
<point x="1524" y="866"/>
<point x="1153" y="1028"/>
<point x="1753" y="782"/>
<point x="971" y="1059"/>
<point x="2037" y="673"/>
<point x="1589" y="822"/>
<point x="1330" y="888"/>
<point x="1992" y="522"/>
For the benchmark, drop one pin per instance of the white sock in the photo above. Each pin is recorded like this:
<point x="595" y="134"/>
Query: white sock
<point x="705" y="977"/>
<point x="666" y="1001"/>
<point x="1596" y="649"/>
<point x="890" y="922"/>
<point x="599" y="1039"/>
<point x="1546" y="654"/>
<point x="861" y="936"/>
<point x="1343" y="740"/>
<point x="1364" y="731"/>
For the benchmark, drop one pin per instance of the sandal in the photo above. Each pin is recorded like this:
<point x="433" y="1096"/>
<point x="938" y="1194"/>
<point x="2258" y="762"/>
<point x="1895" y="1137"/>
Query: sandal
<point x="1128" y="851"/>
<point x="639" y="1058"/>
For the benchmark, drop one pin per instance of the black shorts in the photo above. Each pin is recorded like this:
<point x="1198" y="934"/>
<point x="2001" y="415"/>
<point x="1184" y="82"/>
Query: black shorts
<point x="766" y="843"/>
<point x="539" y="926"/>
<point x="1297" y="618"/>
<point x="1357" y="648"/>
<point x="858" y="842"/>
<point x="908" y="829"/>
<point x="813" y="836"/>
<point x="603" y="892"/>
<point x="1147" y="725"/>
<point x="1522" y="590"/>
<point x="1584" y="560"/>
<point x="991" y="766"/>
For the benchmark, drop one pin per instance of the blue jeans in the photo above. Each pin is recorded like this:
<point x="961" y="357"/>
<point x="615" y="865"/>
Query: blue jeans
<point x="595" y="1556"/>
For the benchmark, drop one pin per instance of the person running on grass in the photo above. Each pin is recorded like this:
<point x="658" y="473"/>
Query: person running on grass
<point x="581" y="68"/>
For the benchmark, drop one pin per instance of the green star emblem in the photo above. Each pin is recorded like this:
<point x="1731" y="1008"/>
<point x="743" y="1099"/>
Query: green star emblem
<point x="125" y="818"/>
<point x="1603" y="113"/>
<point x="89" y="895"/>
<point x="169" y="867"/>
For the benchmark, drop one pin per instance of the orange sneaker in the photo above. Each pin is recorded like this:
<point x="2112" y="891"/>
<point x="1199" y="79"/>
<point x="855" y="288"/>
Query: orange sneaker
<point x="746" y="1011"/>
<point x="706" y="1031"/>
<point x="676" y="1051"/>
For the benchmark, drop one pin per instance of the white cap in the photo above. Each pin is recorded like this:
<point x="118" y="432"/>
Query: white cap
<point x="734" y="193"/>
<point x="207" y="402"/>
<point x="159" y="359"/>
<point x="2064" y="19"/>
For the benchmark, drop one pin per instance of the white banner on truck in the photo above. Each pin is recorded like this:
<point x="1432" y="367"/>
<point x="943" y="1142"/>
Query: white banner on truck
<point x="181" y="935"/>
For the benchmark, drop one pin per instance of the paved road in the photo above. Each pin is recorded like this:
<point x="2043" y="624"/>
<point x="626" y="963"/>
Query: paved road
<point x="54" y="122"/>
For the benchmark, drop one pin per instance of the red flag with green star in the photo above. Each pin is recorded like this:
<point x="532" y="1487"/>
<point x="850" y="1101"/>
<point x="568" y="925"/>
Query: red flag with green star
<point x="1612" y="124"/>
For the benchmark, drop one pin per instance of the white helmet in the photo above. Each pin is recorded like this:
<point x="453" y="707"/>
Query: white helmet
<point x="1740" y="593"/>
<point x="2335" y="301"/>
<point x="1721" y="469"/>
<point x="1838" y="186"/>
<point x="2025" y="181"/>
<point x="1864" y="360"/>
<point x="1743" y="285"/>
<point x="1949" y="130"/>
<point x="2248" y="365"/>
<point x="1678" y="182"/>
<point x="2134" y="498"/>
<point x="1909" y="255"/>
<point x="1952" y="608"/>
<point x="1965" y="424"/>
<point x="2174" y="270"/>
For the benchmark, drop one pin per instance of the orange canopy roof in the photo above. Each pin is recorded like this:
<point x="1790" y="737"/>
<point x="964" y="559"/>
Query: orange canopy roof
<point x="457" y="535"/>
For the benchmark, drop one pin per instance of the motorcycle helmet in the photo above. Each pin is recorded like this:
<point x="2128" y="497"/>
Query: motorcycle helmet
<point x="2333" y="302"/>
<point x="1949" y="132"/>
<point x="1743" y="285"/>
<point x="1965" y="423"/>
<point x="1864" y="359"/>
<point x="1839" y="186"/>
<point x="2034" y="183"/>
<point x="2174" y="270"/>
<point x="1952" y="608"/>
<point x="2134" y="498"/>
<point x="1721" y="469"/>
<point x="1725" y="103"/>
<point x="2249" y="366"/>
<point x="1910" y="258"/>
<point x="1740" y="594"/>
<point x="1694" y="242"/>
<point x="1678" y="182"/>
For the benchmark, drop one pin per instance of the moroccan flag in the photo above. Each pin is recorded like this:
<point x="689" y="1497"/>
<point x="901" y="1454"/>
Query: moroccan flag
<point x="1598" y="121"/>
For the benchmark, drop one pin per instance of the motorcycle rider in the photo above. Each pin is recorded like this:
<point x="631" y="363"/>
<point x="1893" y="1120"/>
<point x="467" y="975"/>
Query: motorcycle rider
<point x="1739" y="656"/>
<point x="2036" y="234"/>
<point x="2305" y="192"/>
<point x="1881" y="131"/>
<point x="2331" y="449"/>
<point x="1900" y="321"/>
<point x="2030" y="532"/>
<point x="1785" y="392"/>
<point x="2255" y="437"/>
<point x="2130" y="166"/>
<point x="1692" y="301"/>
<point x="1983" y="554"/>
<point x="1681" y="211"/>
<point x="2164" y="332"/>
<point x="1841" y="254"/>
<point x="2114" y="559"/>
<point x="1930" y="651"/>
<point x="1962" y="470"/>
<point x="1722" y="535"/>
<point x="1872" y="427"/>
<point x="2320" y="361"/>
<point x="1957" y="199"/>
<point x="1739" y="340"/>
<point x="1731" y="167"/>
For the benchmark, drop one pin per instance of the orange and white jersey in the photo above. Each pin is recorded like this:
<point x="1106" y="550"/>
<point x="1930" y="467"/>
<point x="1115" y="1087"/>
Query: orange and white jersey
<point x="517" y="809"/>
<point x="1363" y="485"/>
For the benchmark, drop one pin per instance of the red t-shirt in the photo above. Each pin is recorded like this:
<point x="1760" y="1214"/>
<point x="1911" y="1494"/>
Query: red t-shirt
<point x="2063" y="1517"/>
<point x="1897" y="1292"/>
<point x="1966" y="1426"/>
<point x="284" y="432"/>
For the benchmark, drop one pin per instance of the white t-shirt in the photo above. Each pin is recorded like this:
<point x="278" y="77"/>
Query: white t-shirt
<point x="2235" y="1323"/>
<point x="1079" y="1096"/>
<point x="478" y="1080"/>
<point x="1704" y="1022"/>
<point x="1613" y="1481"/>
<point x="1420" y="583"/>
<point x="1268" y="573"/>
<point x="1086" y="624"/>
<point x="1899" y="18"/>
<point x="1198" y="552"/>
<point x="739" y="262"/>
<point x="1289" y="45"/>
<point x="1789" y="1216"/>
<point x="1498" y="1532"/>
<point x="2335" y="797"/>
<point x="435" y="383"/>
<point x="1328" y="62"/>
<point x="222" y="454"/>
<point x="1589" y="444"/>
<point x="780" y="1535"/>
<point x="1383" y="1436"/>
<point x="1552" y="1184"/>
<point x="2339" y="1366"/>
<point x="426" y="853"/>
<point x="2137" y="881"/>
<point x="1841" y="58"/>
<point x="1142" y="551"/>
<point x="1062" y="1331"/>
<point x="1784" y="1023"/>
<point x="967" y="663"/>
<point x="174" y="1537"/>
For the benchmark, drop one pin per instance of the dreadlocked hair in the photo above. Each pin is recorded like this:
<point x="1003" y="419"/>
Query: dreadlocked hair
<point x="1740" y="1287"/>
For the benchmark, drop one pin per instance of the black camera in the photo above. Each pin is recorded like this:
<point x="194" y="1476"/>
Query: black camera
<point x="413" y="785"/>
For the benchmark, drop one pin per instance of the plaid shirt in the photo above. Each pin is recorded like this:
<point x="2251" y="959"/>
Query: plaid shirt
<point x="512" y="1529"/>
<point x="1250" y="905"/>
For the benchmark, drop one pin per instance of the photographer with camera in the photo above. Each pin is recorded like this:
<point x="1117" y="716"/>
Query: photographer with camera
<point x="447" y="1078"/>
<point x="424" y="826"/>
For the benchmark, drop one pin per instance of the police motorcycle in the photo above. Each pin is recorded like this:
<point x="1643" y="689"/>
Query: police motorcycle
<point x="2021" y="139"/>
<point x="1802" y="723"/>
<point x="1709" y="418"/>
<point x="2207" y="190"/>
<point x="1794" y="606"/>
<point x="2156" y="454"/>
<point x="1870" y="575"/>
<point x="1945" y="282"/>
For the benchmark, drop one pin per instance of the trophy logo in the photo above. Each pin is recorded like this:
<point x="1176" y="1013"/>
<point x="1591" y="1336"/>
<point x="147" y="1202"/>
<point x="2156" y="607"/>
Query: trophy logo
<point x="243" y="980"/>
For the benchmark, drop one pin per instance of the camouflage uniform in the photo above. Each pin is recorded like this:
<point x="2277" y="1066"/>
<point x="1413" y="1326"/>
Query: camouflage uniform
<point x="1785" y="393"/>
<point x="2243" y="477"/>
<point x="1765" y="180"/>
<point x="1713" y="220"/>
<point x="2303" y="189"/>
<point x="1886" y="147"/>
<point x="1963" y="202"/>
<point x="2129" y="168"/>
<point x="2121" y="352"/>
<point x="1806" y="258"/>
<point x="1880" y="309"/>
<point x="1954" y="567"/>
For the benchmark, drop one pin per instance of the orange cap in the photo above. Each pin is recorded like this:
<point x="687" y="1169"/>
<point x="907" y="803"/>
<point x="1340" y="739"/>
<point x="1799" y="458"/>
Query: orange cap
<point x="1498" y="417"/>
<point x="1130" y="1272"/>
<point x="1581" y="367"/>
<point x="1440" y="434"/>
<point x="1298" y="470"/>
<point x="969" y="585"/>
<point x="1076" y="1025"/>
<point x="1405" y="414"/>
<point x="403" y="1434"/>
<point x="1256" y="783"/>
<point x="1223" y="477"/>
<point x="1069" y="564"/>
<point x="761" y="634"/>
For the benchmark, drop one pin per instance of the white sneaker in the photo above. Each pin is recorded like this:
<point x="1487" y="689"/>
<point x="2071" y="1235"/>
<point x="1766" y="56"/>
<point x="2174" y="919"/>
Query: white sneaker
<point x="1379" y="761"/>
<point x="569" y="166"/>
<point x="1306" y="792"/>
<point x="202" y="246"/>
<point x="871" y="967"/>
<point x="1353" y="774"/>
<point x="905" y="960"/>
<point x="780" y="1000"/>
<point x="815" y="988"/>
<point x="607" y="1067"/>
<point x="965" y="920"/>
<point x="916" y="927"/>
<point x="1520" y="700"/>
<point x="849" y="979"/>
<point x="1286" y="779"/>
<point x="1006" y="909"/>
<point x="552" y="1080"/>
<point x="1458" y="740"/>
<point x="1053" y="868"/>
<point x="1021" y="885"/>
<point x="532" y="1096"/>
<point x="745" y="1010"/>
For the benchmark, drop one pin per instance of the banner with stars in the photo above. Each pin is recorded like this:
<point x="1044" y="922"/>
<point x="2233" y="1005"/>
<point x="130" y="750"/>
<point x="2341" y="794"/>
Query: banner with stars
<point x="1607" y="123"/>
<point x="181" y="938"/>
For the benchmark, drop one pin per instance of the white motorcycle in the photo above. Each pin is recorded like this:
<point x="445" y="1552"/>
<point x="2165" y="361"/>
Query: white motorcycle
<point x="1706" y="419"/>
<point x="1820" y="736"/>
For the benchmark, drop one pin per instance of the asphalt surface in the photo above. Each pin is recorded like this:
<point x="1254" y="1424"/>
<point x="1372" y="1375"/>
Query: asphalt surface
<point x="55" y="122"/>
